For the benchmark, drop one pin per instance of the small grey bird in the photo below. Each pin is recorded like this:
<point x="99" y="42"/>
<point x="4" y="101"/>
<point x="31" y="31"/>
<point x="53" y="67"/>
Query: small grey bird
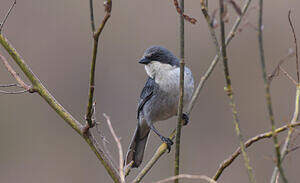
<point x="159" y="98"/>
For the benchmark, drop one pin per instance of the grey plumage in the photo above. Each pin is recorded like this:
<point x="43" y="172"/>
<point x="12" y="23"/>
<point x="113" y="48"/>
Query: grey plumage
<point x="159" y="98"/>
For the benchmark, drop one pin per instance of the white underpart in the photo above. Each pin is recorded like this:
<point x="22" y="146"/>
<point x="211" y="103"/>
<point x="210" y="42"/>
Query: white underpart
<point x="167" y="77"/>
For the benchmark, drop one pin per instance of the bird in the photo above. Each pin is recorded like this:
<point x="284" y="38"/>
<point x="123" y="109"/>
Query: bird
<point x="158" y="99"/>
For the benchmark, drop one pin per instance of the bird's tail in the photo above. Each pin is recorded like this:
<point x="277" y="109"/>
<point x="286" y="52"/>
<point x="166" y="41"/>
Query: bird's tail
<point x="137" y="146"/>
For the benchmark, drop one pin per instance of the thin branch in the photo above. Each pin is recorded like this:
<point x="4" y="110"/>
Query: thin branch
<point x="181" y="13"/>
<point x="229" y="92"/>
<point x="275" y="72"/>
<point x="213" y="64"/>
<point x="7" y="14"/>
<point x="63" y="113"/>
<point x="286" y="144"/>
<point x="121" y="160"/>
<point x="295" y="42"/>
<point x="187" y="176"/>
<point x="163" y="147"/>
<point x="226" y="163"/>
<point x="13" y="92"/>
<point x="9" y="85"/>
<point x="89" y="113"/>
<point x="267" y="91"/>
<point x="288" y="76"/>
<point x="181" y="88"/>
<point x="92" y="16"/>
<point x="15" y="74"/>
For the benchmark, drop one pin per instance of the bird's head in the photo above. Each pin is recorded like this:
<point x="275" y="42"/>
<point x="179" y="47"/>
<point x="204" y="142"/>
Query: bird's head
<point x="159" y="54"/>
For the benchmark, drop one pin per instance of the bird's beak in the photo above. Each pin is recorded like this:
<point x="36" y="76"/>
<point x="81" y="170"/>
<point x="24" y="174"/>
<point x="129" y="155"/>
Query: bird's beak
<point x="144" y="60"/>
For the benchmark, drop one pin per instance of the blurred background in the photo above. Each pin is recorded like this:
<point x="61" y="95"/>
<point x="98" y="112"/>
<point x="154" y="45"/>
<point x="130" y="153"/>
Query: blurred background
<point x="54" y="37"/>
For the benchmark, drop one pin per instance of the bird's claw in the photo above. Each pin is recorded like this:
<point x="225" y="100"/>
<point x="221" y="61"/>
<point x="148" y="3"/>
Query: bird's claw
<point x="185" y="118"/>
<point x="169" y="143"/>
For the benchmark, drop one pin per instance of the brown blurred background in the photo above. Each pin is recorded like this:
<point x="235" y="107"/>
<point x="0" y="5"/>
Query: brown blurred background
<point x="54" y="37"/>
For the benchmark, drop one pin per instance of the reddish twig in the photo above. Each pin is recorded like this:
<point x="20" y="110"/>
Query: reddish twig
<point x="186" y="17"/>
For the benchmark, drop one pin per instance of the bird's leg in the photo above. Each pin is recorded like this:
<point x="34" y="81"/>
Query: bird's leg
<point x="185" y="118"/>
<point x="166" y="140"/>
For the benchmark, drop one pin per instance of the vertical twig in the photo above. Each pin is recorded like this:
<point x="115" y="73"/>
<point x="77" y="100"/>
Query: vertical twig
<point x="89" y="113"/>
<point x="267" y="90"/>
<point x="92" y="16"/>
<point x="284" y="149"/>
<point x="181" y="86"/>
<point x="296" y="45"/>
<point x="121" y="160"/>
<point x="230" y="94"/>
<point x="7" y="14"/>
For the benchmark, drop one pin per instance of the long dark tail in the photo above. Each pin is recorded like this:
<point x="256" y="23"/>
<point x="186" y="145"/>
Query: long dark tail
<point x="137" y="146"/>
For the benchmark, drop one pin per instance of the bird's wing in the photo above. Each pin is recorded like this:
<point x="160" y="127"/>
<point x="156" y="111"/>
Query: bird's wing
<point x="147" y="93"/>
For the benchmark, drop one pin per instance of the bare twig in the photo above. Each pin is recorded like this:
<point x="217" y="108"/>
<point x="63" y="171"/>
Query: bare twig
<point x="187" y="176"/>
<point x="287" y="75"/>
<point x="89" y="113"/>
<point x="9" y="85"/>
<point x="275" y="72"/>
<point x="229" y="92"/>
<point x="7" y="14"/>
<point x="121" y="160"/>
<point x="13" y="92"/>
<point x="92" y="16"/>
<point x="295" y="42"/>
<point x="186" y="17"/>
<point x="15" y="74"/>
<point x="267" y="90"/>
<point x="226" y="163"/>
<point x="286" y="144"/>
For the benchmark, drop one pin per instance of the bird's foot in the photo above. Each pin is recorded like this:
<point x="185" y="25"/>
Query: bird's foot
<point x="185" y="118"/>
<point x="169" y="143"/>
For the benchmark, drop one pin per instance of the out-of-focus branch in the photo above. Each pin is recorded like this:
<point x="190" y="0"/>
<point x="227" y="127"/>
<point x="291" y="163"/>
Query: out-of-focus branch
<point x="89" y="112"/>
<point x="267" y="91"/>
<point x="187" y="176"/>
<point x="226" y="163"/>
<point x="163" y="147"/>
<point x="7" y="14"/>
<point x="121" y="160"/>
<point x="58" y="108"/>
<point x="181" y="13"/>
<point x="295" y="118"/>
<point x="229" y="92"/>
<point x="92" y="16"/>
